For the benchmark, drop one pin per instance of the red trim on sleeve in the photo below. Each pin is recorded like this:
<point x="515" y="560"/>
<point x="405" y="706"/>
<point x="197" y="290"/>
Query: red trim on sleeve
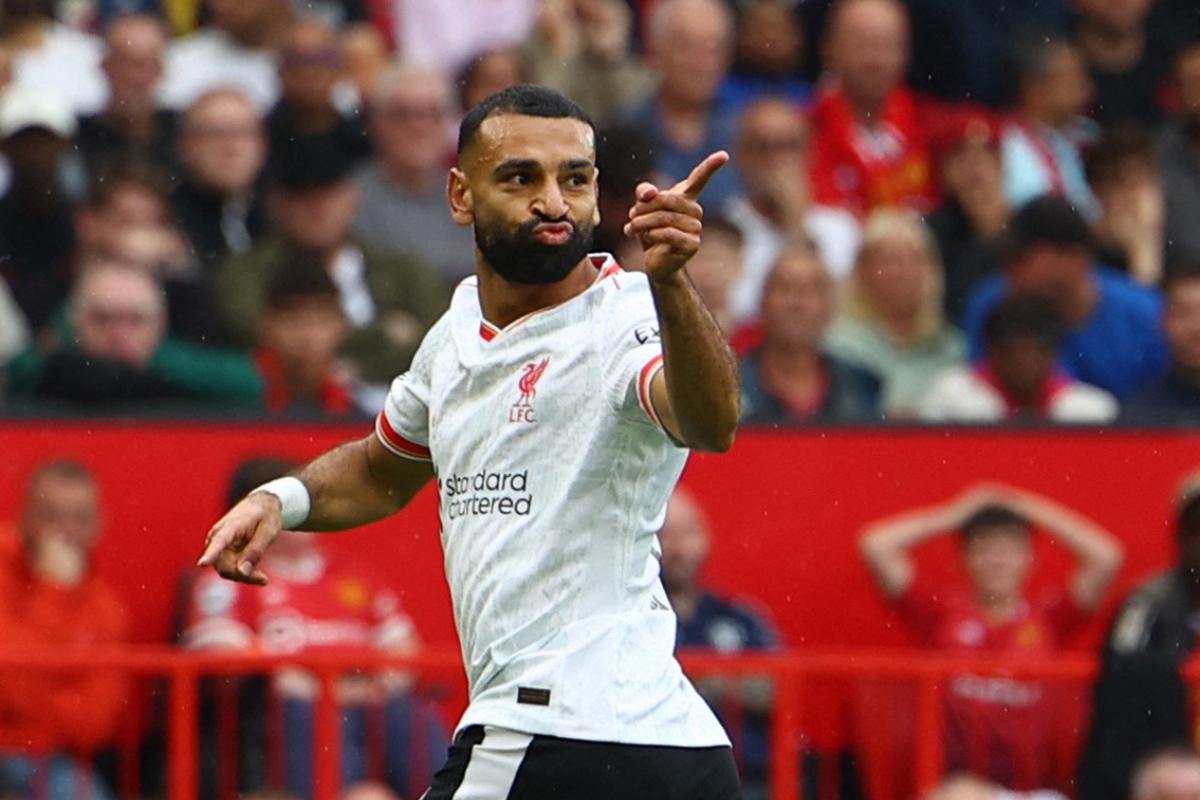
<point x="644" y="379"/>
<point x="397" y="443"/>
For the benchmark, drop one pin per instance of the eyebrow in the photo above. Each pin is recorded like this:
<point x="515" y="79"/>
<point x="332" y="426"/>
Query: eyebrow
<point x="517" y="164"/>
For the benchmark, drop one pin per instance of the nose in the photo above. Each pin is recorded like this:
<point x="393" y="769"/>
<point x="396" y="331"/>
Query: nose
<point x="550" y="203"/>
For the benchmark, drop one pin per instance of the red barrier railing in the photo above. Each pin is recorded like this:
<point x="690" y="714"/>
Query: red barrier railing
<point x="792" y="675"/>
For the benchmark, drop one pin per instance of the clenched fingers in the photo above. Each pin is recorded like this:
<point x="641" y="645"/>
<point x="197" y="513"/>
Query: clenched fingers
<point x="649" y="202"/>
<point x="662" y="219"/>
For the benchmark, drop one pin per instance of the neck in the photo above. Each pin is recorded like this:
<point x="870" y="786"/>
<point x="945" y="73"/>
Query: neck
<point x="267" y="36"/>
<point x="998" y="608"/>
<point x="304" y="385"/>
<point x="1111" y="50"/>
<point x="789" y="363"/>
<point x="418" y="180"/>
<point x="1077" y="307"/>
<point x="767" y="207"/>
<point x="135" y="123"/>
<point x="866" y="112"/>
<point x="901" y="324"/>
<point x="312" y="120"/>
<point x="684" y="121"/>
<point x="1036" y="116"/>
<point x="503" y="302"/>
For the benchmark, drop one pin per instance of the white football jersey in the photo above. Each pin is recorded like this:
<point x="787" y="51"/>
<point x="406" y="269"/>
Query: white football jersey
<point x="553" y="475"/>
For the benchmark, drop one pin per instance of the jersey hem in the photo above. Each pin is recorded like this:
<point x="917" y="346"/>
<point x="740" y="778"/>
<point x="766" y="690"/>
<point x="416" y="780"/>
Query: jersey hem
<point x="537" y="725"/>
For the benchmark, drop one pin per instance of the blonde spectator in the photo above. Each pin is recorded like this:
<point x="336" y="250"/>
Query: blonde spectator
<point x="892" y="321"/>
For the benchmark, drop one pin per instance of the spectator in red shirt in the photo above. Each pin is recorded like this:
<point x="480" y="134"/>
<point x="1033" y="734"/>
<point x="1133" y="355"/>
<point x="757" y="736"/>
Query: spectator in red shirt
<point x="868" y="148"/>
<point x="302" y="328"/>
<point x="52" y="723"/>
<point x="995" y="727"/>
<point x="317" y="601"/>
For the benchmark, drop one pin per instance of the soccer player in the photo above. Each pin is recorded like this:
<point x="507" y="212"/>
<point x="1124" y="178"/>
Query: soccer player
<point x="554" y="401"/>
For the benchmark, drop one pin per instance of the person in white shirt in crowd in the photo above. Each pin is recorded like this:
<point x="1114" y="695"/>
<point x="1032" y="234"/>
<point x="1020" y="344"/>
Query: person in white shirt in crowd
<point x="772" y="158"/>
<point x="893" y="322"/>
<point x="446" y="35"/>
<point x="1042" y="141"/>
<point x="50" y="57"/>
<point x="1018" y="378"/>
<point x="238" y="48"/>
<point x="583" y="48"/>
<point x="403" y="186"/>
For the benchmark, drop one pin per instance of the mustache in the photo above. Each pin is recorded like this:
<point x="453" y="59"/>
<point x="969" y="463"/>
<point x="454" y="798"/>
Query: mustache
<point x="527" y="227"/>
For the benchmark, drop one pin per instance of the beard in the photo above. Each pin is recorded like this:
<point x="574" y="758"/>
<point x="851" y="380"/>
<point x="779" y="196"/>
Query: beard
<point x="518" y="257"/>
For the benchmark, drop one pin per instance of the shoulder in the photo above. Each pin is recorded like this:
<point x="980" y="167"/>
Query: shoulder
<point x="959" y="379"/>
<point x="847" y="371"/>
<point x="1130" y="295"/>
<point x="64" y="39"/>
<point x="984" y="296"/>
<point x="106" y="610"/>
<point x="202" y="43"/>
<point x="1082" y="402"/>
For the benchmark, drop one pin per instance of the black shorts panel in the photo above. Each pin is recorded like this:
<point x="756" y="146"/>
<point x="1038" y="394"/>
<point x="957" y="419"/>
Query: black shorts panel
<point x="578" y="770"/>
<point x="515" y="766"/>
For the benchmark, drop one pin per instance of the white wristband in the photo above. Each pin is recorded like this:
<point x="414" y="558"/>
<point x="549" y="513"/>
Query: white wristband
<point x="293" y="497"/>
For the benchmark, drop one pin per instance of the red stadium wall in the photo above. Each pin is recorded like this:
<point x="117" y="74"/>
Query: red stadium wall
<point x="785" y="508"/>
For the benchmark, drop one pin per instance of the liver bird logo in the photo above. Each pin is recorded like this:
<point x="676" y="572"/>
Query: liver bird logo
<point x="530" y="375"/>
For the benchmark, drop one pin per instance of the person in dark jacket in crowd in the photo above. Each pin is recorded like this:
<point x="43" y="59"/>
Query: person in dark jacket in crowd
<point x="1141" y="703"/>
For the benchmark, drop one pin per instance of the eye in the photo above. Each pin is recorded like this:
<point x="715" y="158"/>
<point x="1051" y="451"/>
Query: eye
<point x="578" y="179"/>
<point x="518" y="179"/>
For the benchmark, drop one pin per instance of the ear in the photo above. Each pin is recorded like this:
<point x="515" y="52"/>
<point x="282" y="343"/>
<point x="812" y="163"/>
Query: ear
<point x="596" y="210"/>
<point x="458" y="192"/>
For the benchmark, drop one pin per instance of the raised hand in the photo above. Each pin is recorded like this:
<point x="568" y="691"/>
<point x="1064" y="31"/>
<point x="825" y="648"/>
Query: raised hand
<point x="238" y="541"/>
<point x="668" y="222"/>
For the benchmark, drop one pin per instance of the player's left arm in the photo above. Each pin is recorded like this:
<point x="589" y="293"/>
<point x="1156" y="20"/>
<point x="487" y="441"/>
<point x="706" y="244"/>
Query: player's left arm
<point x="1098" y="552"/>
<point x="696" y="393"/>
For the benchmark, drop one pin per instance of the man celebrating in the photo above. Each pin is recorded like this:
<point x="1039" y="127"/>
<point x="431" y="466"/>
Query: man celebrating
<point x="553" y="401"/>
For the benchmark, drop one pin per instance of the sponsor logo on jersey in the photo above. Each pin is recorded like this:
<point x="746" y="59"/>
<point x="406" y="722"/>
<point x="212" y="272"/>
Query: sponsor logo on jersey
<point x="486" y="492"/>
<point x="522" y="410"/>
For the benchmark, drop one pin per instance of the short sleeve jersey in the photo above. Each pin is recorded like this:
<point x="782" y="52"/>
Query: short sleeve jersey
<point x="317" y="603"/>
<point x="998" y="727"/>
<point x="553" y="473"/>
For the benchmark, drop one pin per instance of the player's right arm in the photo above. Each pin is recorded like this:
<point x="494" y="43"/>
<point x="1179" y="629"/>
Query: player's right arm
<point x="353" y="484"/>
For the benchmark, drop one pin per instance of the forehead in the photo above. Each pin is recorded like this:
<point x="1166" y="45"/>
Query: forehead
<point x="54" y="486"/>
<point x="222" y="108"/>
<point x="106" y="286"/>
<point x="549" y="141"/>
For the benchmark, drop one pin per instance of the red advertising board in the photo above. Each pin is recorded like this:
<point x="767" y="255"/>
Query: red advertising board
<point x="785" y="508"/>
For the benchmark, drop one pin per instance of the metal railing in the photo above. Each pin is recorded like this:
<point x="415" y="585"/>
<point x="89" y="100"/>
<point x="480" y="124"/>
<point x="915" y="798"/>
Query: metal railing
<point x="793" y="676"/>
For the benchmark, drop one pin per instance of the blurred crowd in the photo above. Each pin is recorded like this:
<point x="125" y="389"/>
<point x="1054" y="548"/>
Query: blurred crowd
<point x="937" y="210"/>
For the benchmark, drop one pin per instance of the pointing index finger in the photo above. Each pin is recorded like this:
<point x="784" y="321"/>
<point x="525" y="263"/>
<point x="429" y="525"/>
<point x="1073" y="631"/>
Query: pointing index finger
<point x="694" y="184"/>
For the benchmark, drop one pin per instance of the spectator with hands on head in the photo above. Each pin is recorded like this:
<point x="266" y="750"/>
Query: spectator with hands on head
<point x="996" y="727"/>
